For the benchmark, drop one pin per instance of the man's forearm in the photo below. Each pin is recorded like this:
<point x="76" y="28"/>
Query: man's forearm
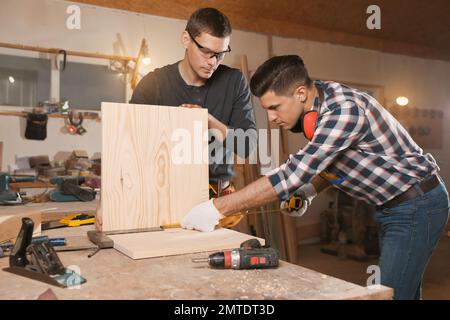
<point x="213" y="123"/>
<point x="253" y="195"/>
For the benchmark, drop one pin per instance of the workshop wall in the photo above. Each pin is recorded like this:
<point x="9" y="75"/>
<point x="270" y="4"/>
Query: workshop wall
<point x="58" y="145"/>
<point x="43" y="23"/>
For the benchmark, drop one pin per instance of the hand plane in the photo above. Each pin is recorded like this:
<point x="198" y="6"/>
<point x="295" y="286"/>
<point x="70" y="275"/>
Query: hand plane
<point x="39" y="261"/>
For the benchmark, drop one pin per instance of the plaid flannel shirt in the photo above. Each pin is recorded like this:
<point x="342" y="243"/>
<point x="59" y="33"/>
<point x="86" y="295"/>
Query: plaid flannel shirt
<point x="372" y="156"/>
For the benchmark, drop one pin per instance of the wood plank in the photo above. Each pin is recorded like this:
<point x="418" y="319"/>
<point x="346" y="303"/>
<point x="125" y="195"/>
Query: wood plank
<point x="1" y="156"/>
<point x="246" y="173"/>
<point x="289" y="223"/>
<point x="52" y="210"/>
<point x="10" y="224"/>
<point x="177" y="241"/>
<point x="276" y="221"/>
<point x="142" y="184"/>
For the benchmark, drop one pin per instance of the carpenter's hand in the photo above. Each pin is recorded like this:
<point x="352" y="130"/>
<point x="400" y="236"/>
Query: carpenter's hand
<point x="306" y="193"/>
<point x="203" y="217"/>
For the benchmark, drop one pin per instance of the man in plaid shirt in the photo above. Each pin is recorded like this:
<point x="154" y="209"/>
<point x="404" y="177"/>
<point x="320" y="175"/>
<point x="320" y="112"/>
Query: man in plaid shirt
<point x="361" y="149"/>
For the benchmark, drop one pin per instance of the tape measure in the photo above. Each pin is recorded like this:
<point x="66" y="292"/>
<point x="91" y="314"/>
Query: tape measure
<point x="294" y="203"/>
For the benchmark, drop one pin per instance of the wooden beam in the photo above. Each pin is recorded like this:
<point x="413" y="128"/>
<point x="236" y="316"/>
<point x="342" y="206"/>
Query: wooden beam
<point x="134" y="79"/>
<point x="23" y="114"/>
<point x="243" y="20"/>
<point x="1" y="155"/>
<point x="68" y="52"/>
<point x="289" y="223"/>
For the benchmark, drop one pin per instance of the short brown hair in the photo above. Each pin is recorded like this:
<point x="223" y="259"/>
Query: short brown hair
<point x="209" y="20"/>
<point x="281" y="74"/>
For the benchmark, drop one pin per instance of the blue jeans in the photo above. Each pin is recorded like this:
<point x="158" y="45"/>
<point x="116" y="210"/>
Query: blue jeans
<point x="408" y="234"/>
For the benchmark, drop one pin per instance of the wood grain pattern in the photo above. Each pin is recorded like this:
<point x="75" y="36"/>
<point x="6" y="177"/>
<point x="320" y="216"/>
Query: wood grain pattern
<point x="280" y="18"/>
<point x="177" y="241"/>
<point x="142" y="185"/>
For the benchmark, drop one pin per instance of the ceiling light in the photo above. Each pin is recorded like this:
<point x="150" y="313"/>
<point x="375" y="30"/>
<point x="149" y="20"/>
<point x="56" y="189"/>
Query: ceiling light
<point x="146" y="61"/>
<point x="402" y="101"/>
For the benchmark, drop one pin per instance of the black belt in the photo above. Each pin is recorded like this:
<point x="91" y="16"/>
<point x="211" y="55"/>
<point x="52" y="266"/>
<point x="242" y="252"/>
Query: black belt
<point x="412" y="192"/>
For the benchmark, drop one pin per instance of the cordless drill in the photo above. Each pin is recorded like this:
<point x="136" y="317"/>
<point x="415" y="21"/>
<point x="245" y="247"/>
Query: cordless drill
<point x="250" y="255"/>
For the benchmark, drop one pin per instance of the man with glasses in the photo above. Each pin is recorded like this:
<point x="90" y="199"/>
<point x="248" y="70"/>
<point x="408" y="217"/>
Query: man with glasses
<point x="201" y="81"/>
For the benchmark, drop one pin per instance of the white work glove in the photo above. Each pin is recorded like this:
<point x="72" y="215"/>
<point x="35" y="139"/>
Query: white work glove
<point x="307" y="192"/>
<point x="203" y="217"/>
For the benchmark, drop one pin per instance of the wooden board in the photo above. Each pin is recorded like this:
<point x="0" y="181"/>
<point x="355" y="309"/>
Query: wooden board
<point x="142" y="185"/>
<point x="10" y="224"/>
<point x="177" y="241"/>
<point x="52" y="210"/>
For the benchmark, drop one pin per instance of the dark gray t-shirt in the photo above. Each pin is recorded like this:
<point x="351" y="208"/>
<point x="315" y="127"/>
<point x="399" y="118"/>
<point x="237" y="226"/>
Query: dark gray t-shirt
<point x="226" y="95"/>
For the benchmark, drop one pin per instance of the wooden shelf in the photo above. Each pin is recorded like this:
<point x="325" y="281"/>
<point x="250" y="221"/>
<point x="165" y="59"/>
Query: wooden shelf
<point x="23" y="114"/>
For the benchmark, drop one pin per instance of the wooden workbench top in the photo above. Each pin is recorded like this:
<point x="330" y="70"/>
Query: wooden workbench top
<point x="52" y="210"/>
<point x="112" y="275"/>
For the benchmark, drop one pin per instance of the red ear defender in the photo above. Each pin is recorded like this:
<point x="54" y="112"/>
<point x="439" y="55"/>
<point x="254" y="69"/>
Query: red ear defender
<point x="309" y="120"/>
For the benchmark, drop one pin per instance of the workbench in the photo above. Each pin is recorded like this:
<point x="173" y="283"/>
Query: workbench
<point x="112" y="275"/>
<point x="52" y="210"/>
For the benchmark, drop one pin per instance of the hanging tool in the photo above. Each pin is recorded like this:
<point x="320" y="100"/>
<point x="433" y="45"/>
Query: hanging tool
<point x="75" y="126"/>
<point x="250" y="255"/>
<point x="39" y="261"/>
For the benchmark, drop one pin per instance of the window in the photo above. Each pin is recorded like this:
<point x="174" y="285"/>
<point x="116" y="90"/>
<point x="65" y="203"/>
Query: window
<point x="85" y="86"/>
<point x="24" y="81"/>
